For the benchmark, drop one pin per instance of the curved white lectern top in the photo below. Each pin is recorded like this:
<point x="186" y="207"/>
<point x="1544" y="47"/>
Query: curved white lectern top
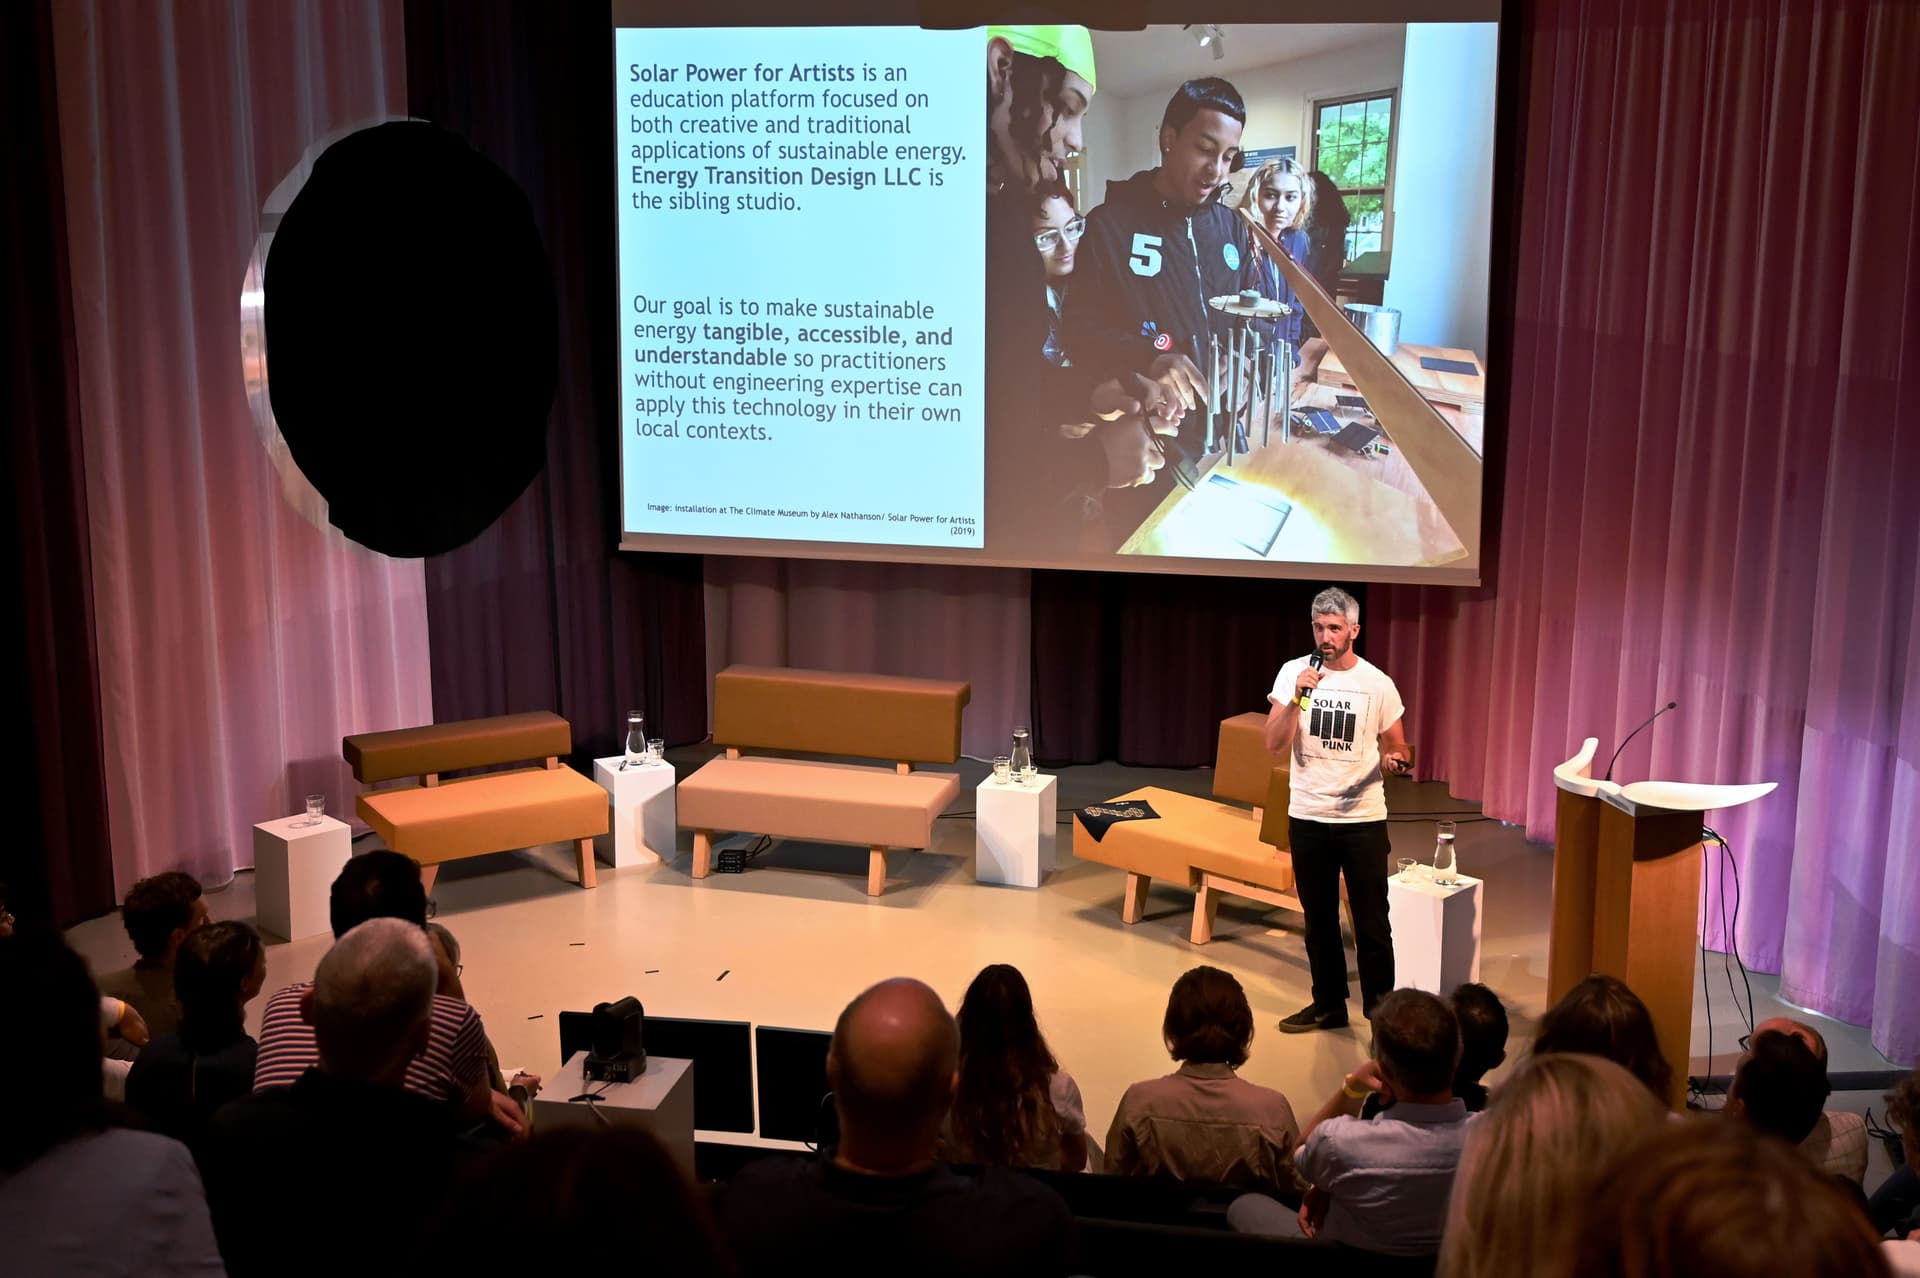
<point x="1652" y="796"/>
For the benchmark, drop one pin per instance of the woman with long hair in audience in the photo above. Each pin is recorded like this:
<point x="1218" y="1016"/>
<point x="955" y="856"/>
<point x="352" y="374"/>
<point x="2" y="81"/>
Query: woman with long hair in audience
<point x="181" y="1078"/>
<point x="1602" y="1017"/>
<point x="1014" y="1106"/>
<point x="1705" y="1199"/>
<point x="78" y="1194"/>
<point x="1532" y="1160"/>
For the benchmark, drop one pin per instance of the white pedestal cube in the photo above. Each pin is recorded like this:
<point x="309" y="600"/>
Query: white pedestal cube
<point x="294" y="866"/>
<point x="642" y="828"/>
<point x="661" y="1101"/>
<point x="1436" y="931"/>
<point x="1014" y="828"/>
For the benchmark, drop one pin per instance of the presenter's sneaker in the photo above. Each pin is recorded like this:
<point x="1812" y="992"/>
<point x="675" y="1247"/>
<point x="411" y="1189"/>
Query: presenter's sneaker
<point x="1313" y="1017"/>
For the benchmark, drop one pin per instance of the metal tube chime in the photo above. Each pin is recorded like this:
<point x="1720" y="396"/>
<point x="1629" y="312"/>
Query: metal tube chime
<point x="1283" y="375"/>
<point x="1236" y="341"/>
<point x="1260" y="401"/>
<point x="1213" y="390"/>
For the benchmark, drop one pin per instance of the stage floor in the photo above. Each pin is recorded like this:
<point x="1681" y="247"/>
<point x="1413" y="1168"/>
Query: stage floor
<point x="790" y="941"/>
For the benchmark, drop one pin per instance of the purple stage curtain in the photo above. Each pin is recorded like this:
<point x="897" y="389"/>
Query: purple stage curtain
<point x="238" y="640"/>
<point x="541" y="612"/>
<point x="1712" y="483"/>
<point x="56" y="862"/>
<point x="1141" y="668"/>
<point x="903" y="619"/>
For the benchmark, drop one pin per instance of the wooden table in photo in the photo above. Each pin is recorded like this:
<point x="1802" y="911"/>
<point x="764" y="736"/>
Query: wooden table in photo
<point x="1460" y="397"/>
<point x="1347" y="508"/>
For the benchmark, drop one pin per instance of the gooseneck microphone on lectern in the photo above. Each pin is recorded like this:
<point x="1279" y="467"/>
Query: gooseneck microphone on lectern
<point x="1636" y="732"/>
<point x="1305" y="699"/>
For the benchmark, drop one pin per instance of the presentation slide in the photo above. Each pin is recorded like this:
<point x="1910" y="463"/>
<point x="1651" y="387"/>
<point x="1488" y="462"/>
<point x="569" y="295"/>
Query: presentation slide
<point x="1197" y="298"/>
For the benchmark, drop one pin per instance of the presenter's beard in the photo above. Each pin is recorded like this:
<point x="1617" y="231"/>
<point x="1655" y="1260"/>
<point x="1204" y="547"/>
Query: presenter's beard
<point x="1331" y="654"/>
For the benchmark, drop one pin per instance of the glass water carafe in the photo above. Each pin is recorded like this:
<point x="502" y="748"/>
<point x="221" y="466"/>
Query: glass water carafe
<point x="1022" y="758"/>
<point x="1444" y="869"/>
<point x="636" y="739"/>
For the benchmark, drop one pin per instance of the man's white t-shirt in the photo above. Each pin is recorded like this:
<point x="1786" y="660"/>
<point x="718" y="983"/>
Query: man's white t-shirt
<point x="1336" y="748"/>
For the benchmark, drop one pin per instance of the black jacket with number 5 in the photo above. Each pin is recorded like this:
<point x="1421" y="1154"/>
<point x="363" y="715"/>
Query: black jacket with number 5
<point x="1144" y="273"/>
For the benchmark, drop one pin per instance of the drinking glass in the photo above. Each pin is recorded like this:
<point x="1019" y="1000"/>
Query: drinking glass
<point x="1002" y="769"/>
<point x="1406" y="869"/>
<point x="656" y="750"/>
<point x="316" y="807"/>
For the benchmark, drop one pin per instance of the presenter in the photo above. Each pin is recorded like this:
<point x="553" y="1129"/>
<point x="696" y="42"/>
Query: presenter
<point x="1340" y="716"/>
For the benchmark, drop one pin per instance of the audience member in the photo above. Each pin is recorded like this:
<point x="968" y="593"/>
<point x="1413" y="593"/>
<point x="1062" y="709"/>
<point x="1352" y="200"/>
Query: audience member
<point x="1896" y="1204"/>
<point x="1483" y="1046"/>
<point x="452" y="1066"/>
<point x="1529" y="1165"/>
<point x="1013" y="1106"/>
<point x="181" y="1078"/>
<point x="1778" y="1087"/>
<point x="1382" y="1184"/>
<point x="1837" y="1144"/>
<point x="1701" y="1199"/>
<point x="1203" y="1121"/>
<point x="546" y="1206"/>
<point x="159" y="913"/>
<point x="1602" y="1017"/>
<point x="1483" y="1042"/>
<point x="883" y="1202"/>
<point x="340" y="1172"/>
<point x="76" y="1195"/>
<point x="523" y="1086"/>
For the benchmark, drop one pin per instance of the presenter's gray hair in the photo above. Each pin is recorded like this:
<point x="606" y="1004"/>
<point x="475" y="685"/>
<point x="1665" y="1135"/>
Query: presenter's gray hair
<point x="371" y="991"/>
<point x="1335" y="600"/>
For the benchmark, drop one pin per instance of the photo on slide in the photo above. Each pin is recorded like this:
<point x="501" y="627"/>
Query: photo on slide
<point x="1197" y="298"/>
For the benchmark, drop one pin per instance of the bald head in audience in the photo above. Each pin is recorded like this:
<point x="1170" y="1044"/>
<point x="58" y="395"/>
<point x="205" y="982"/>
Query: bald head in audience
<point x="371" y="1003"/>
<point x="892" y="1067"/>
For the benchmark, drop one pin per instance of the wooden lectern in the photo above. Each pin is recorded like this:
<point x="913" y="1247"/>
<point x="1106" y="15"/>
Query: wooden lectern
<point x="1626" y="892"/>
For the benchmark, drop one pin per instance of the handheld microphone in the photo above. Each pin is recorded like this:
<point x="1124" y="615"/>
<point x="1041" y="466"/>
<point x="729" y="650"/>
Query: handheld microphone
<point x="1305" y="699"/>
<point x="1636" y="732"/>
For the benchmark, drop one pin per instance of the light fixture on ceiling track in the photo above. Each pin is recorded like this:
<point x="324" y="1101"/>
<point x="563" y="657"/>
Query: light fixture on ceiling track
<point x="1209" y="37"/>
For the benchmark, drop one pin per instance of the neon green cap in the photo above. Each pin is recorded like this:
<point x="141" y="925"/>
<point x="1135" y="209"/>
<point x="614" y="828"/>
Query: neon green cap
<point x="1071" y="47"/>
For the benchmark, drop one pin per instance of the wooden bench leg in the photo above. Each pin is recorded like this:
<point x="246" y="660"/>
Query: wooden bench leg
<point x="1206" y="902"/>
<point x="589" y="877"/>
<point x="428" y="873"/>
<point x="1136" y="898"/>
<point x="876" y="871"/>
<point x="702" y="853"/>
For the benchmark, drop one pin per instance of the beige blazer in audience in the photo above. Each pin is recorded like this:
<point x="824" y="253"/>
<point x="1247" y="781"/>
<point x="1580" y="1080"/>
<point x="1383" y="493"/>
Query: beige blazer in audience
<point x="1204" y="1122"/>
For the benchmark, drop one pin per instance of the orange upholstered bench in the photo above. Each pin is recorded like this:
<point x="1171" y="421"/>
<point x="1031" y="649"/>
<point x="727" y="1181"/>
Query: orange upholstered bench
<point x="903" y="721"/>
<point x="432" y="821"/>
<point x="1213" y="847"/>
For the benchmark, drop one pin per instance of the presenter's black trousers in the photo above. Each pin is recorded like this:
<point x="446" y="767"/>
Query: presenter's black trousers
<point x="1322" y="852"/>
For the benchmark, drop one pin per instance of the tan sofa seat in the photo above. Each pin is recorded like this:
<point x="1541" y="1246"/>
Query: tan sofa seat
<point x="816" y="800"/>
<point x="476" y="815"/>
<point x="1191" y="836"/>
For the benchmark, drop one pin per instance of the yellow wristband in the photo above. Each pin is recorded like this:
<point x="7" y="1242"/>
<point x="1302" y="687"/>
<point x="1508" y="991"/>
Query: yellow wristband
<point x="1348" y="1092"/>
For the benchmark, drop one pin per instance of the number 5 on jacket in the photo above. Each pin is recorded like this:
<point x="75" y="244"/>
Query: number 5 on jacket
<point x="1145" y="259"/>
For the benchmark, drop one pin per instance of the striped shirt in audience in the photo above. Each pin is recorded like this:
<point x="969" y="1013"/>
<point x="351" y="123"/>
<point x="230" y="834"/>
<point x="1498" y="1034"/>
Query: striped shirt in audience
<point x="453" y="1067"/>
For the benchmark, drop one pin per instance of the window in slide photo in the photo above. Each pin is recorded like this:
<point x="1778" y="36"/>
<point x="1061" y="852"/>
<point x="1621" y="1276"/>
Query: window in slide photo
<point x="1353" y="145"/>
